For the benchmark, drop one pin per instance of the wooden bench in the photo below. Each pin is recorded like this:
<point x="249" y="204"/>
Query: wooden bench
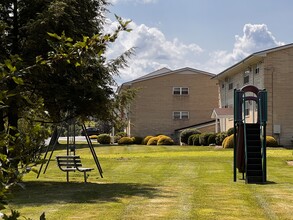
<point x="72" y="163"/>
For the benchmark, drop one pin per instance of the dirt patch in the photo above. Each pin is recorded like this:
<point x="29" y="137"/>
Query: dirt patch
<point x="290" y="162"/>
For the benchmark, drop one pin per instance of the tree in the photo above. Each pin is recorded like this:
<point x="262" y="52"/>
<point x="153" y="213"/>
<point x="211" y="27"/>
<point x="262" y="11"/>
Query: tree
<point x="122" y="103"/>
<point x="26" y="24"/>
<point x="52" y="68"/>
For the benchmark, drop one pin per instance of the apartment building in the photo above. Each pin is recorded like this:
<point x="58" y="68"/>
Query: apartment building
<point x="272" y="70"/>
<point x="169" y="100"/>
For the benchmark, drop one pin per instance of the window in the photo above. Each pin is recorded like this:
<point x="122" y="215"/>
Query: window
<point x="184" y="115"/>
<point x="230" y="86"/>
<point x="176" y="91"/>
<point x="180" y="90"/>
<point x="176" y="115"/>
<point x="180" y="115"/>
<point x="246" y="112"/>
<point x="256" y="70"/>
<point x="246" y="79"/>
<point x="184" y="91"/>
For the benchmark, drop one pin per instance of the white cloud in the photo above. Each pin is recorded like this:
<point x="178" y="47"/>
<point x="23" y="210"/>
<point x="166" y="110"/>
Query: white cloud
<point x="256" y="37"/>
<point x="152" y="51"/>
<point x="155" y="51"/>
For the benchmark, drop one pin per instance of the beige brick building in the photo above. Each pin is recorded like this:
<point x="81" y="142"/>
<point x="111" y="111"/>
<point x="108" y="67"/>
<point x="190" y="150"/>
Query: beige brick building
<point x="169" y="100"/>
<point x="271" y="70"/>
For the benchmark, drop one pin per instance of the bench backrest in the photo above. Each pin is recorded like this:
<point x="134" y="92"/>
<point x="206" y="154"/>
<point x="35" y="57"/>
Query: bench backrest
<point x="68" y="161"/>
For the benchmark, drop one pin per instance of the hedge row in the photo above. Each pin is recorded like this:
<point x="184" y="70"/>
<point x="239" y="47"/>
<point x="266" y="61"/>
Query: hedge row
<point x="206" y="139"/>
<point x="229" y="142"/>
<point x="193" y="137"/>
<point x="122" y="139"/>
<point x="158" y="140"/>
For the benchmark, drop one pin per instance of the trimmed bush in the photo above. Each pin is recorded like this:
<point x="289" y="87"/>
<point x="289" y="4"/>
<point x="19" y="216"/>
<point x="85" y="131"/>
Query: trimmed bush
<point x="93" y="136"/>
<point x="230" y="131"/>
<point x="220" y="137"/>
<point x="203" y="139"/>
<point x="195" y="140"/>
<point x="228" y="142"/>
<point x="125" y="140"/>
<point x="165" y="140"/>
<point x="190" y="139"/>
<point x="146" y="139"/>
<point x="119" y="135"/>
<point x="103" y="138"/>
<point x="184" y="135"/>
<point x="271" y="141"/>
<point x="137" y="140"/>
<point x="153" y="141"/>
<point x="212" y="139"/>
<point x="161" y="135"/>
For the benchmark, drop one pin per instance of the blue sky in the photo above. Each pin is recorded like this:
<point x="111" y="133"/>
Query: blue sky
<point x="208" y="35"/>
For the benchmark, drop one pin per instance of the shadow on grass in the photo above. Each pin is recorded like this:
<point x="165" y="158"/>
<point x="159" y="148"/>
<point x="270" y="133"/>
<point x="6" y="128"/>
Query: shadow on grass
<point x="41" y="193"/>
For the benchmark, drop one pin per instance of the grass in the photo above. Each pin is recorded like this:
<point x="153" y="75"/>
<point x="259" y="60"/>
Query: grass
<point x="157" y="182"/>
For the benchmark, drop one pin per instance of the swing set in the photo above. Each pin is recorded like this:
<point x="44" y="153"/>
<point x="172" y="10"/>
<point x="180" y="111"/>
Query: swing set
<point x="69" y="162"/>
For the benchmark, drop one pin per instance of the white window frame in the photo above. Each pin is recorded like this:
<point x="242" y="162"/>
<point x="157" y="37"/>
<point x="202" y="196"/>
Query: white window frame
<point x="180" y="115"/>
<point x="180" y="91"/>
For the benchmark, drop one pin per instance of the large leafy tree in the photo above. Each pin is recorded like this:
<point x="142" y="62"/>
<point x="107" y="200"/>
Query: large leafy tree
<point x="27" y="23"/>
<point x="52" y="68"/>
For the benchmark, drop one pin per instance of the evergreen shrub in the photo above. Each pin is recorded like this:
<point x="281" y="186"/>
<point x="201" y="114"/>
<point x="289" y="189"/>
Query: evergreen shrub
<point x="190" y="139"/>
<point x="195" y="140"/>
<point x="228" y="142"/>
<point x="93" y="136"/>
<point x="165" y="140"/>
<point x="146" y="139"/>
<point x="104" y="138"/>
<point x="271" y="141"/>
<point x="203" y="139"/>
<point x="119" y="135"/>
<point x="137" y="140"/>
<point x="184" y="135"/>
<point x="125" y="140"/>
<point x="220" y="137"/>
<point x="212" y="139"/>
<point x="230" y="131"/>
<point x="153" y="141"/>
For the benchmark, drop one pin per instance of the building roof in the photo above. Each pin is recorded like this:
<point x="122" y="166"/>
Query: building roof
<point x="255" y="57"/>
<point x="222" y="113"/>
<point x="197" y="126"/>
<point x="165" y="71"/>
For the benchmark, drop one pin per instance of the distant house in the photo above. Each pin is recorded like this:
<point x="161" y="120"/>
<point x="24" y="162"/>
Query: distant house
<point x="271" y="70"/>
<point x="170" y="100"/>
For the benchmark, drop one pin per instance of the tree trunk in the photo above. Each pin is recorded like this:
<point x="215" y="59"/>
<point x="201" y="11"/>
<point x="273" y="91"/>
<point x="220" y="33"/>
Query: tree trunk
<point x="15" y="31"/>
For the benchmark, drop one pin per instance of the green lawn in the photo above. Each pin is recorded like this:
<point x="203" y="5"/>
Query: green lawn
<point x="157" y="182"/>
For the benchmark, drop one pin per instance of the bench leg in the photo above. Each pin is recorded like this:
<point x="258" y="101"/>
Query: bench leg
<point x="85" y="177"/>
<point x="67" y="176"/>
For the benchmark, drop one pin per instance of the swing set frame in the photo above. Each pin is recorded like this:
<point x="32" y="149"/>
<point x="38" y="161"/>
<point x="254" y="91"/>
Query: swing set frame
<point x="70" y="146"/>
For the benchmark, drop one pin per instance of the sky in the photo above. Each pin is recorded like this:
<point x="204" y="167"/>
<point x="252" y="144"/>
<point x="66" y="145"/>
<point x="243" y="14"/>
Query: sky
<point x="208" y="35"/>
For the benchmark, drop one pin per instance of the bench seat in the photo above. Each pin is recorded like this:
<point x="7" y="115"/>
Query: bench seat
<point x="71" y="163"/>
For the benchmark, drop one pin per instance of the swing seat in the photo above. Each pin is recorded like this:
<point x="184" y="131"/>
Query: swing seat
<point x="71" y="163"/>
